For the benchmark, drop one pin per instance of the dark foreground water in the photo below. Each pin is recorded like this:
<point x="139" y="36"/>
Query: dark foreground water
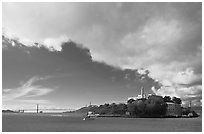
<point x="69" y="123"/>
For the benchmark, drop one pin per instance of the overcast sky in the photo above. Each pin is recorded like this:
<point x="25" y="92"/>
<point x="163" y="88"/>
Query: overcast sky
<point x="68" y="54"/>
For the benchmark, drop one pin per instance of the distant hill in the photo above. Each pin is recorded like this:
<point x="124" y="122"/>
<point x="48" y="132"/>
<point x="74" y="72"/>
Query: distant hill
<point x="7" y="111"/>
<point x="86" y="109"/>
<point x="81" y="112"/>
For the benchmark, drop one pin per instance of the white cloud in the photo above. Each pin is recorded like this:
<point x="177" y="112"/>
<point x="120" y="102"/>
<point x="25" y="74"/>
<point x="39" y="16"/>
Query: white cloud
<point x="181" y="84"/>
<point x="190" y="91"/>
<point x="185" y="93"/>
<point x="142" y="71"/>
<point x="26" y="42"/>
<point x="151" y="44"/>
<point x="26" y="90"/>
<point x="11" y="35"/>
<point x="13" y="43"/>
<point x="55" y="44"/>
<point x="165" y="91"/>
<point x="186" y="77"/>
<point x="159" y="31"/>
<point x="32" y="101"/>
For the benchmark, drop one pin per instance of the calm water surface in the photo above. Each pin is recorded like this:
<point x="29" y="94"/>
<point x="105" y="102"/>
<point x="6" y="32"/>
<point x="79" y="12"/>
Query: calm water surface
<point x="72" y="123"/>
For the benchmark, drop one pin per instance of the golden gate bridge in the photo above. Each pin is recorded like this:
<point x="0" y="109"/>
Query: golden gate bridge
<point x="40" y="110"/>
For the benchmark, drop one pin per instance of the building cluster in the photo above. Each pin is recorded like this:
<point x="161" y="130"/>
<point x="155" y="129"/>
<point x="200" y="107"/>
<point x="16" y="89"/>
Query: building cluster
<point x="173" y="109"/>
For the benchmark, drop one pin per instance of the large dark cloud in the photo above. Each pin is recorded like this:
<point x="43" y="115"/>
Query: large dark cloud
<point x="73" y="65"/>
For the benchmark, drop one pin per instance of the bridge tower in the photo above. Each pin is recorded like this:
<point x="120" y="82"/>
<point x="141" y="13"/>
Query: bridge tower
<point x="37" y="108"/>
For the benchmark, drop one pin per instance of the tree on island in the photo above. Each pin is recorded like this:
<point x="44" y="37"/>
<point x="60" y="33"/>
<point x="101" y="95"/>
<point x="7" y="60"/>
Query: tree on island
<point x="155" y="106"/>
<point x="167" y="99"/>
<point x="132" y="108"/>
<point x="118" y="108"/>
<point x="176" y="100"/>
<point x="141" y="106"/>
<point x="103" y="109"/>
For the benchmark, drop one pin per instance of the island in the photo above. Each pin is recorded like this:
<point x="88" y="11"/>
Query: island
<point x="142" y="106"/>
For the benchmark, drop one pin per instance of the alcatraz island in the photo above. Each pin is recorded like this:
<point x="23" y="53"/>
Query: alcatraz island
<point x="142" y="106"/>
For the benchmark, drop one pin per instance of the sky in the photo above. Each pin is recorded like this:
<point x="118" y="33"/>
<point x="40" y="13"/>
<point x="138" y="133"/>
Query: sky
<point x="66" y="55"/>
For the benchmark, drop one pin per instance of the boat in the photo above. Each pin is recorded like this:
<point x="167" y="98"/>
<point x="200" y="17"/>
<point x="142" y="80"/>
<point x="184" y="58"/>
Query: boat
<point x="88" y="118"/>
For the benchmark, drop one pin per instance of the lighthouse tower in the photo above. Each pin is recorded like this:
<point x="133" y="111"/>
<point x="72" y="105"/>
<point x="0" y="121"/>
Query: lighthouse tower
<point x="142" y="93"/>
<point x="139" y="96"/>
